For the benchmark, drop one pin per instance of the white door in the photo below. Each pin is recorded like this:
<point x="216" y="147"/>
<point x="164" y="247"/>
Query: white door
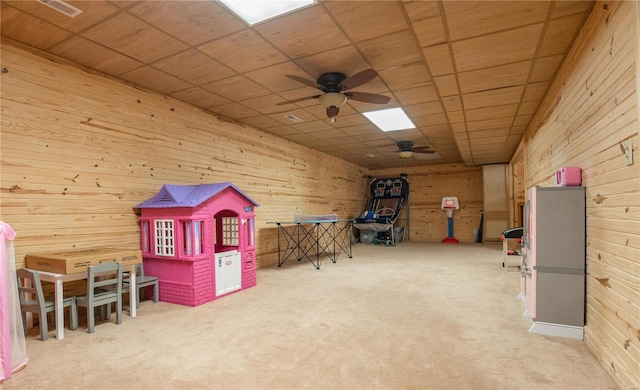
<point x="228" y="272"/>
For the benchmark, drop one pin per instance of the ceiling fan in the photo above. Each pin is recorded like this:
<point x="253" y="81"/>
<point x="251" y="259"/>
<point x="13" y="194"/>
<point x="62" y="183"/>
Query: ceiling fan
<point x="406" y="149"/>
<point x="335" y="86"/>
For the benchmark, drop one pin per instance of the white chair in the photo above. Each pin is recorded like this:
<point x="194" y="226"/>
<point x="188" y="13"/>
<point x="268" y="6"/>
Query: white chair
<point x="104" y="287"/>
<point x="32" y="300"/>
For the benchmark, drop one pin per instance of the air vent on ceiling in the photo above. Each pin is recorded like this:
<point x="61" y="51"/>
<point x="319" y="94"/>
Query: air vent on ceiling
<point x="63" y="7"/>
<point x="293" y="118"/>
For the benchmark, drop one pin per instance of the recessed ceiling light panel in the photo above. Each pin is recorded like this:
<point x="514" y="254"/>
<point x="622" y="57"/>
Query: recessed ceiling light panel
<point x="63" y="7"/>
<point x="293" y="118"/>
<point x="390" y="119"/>
<point x="256" y="11"/>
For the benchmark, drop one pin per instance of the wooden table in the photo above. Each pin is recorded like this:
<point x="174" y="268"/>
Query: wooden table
<point x="58" y="281"/>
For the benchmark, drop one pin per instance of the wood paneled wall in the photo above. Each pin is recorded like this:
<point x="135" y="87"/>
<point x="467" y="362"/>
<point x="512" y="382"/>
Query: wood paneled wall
<point x="79" y="150"/>
<point x="590" y="110"/>
<point x="427" y="186"/>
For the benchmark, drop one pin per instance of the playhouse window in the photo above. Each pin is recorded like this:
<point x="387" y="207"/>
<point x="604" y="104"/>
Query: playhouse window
<point x="252" y="232"/>
<point x="164" y="237"/>
<point x="230" y="231"/>
<point x="193" y="237"/>
<point x="145" y="233"/>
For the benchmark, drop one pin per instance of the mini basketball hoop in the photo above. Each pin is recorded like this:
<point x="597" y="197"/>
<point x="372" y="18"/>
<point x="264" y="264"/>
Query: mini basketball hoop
<point x="450" y="203"/>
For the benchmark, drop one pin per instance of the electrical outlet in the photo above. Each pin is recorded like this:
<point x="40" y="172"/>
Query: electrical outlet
<point x="475" y="231"/>
<point x="627" y="146"/>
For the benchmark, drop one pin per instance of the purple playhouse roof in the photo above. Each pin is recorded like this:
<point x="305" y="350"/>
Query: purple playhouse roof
<point x="173" y="195"/>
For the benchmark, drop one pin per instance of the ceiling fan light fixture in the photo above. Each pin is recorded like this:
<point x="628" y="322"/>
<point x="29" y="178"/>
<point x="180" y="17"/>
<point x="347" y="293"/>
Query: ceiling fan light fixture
<point x="332" y="99"/>
<point x="405" y="154"/>
<point x="332" y="112"/>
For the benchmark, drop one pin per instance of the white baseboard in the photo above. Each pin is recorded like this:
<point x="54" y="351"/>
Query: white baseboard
<point x="545" y="328"/>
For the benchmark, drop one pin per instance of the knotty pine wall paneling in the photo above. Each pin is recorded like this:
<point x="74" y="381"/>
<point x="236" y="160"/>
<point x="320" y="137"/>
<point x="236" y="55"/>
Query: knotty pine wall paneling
<point x="591" y="109"/>
<point x="78" y="151"/>
<point x="427" y="186"/>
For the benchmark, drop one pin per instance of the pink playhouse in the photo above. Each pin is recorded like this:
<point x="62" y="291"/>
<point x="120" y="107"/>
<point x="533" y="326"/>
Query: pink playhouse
<point x="199" y="240"/>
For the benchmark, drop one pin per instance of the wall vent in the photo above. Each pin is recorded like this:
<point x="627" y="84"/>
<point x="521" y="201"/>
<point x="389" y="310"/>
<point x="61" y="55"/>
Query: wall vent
<point x="165" y="197"/>
<point x="293" y="118"/>
<point x="63" y="7"/>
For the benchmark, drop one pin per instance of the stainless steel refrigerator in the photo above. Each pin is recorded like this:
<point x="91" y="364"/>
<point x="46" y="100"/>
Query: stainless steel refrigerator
<point x="552" y="285"/>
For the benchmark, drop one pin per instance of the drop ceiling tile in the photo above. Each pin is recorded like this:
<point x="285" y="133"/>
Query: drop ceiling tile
<point x="406" y="76"/>
<point x="301" y="138"/>
<point x="522" y="120"/>
<point x="200" y="97"/>
<point x="243" y="51"/>
<point x="430" y="30"/>
<point x="563" y="31"/>
<point x="234" y="111"/>
<point x="193" y="66"/>
<point x="391" y="50"/>
<point x="261" y="122"/>
<point x="345" y="59"/>
<point x="493" y="112"/>
<point x="535" y="91"/>
<point x="421" y="10"/>
<point x="274" y="77"/>
<point x="423" y="109"/>
<point x="438" y="59"/>
<point x="193" y="22"/>
<point x="529" y="107"/>
<point x="93" y="55"/>
<point x="452" y="103"/>
<point x="564" y="8"/>
<point x="545" y="68"/>
<point x="353" y="119"/>
<point x="489" y="124"/>
<point x="497" y="49"/>
<point x="266" y="104"/>
<point x="302" y="33"/>
<point x="328" y="134"/>
<point x="499" y="76"/>
<point x="26" y="28"/>
<point x="155" y="79"/>
<point x="305" y="115"/>
<point x="236" y="88"/>
<point x="417" y="95"/>
<point x="282" y="130"/>
<point x="363" y="131"/>
<point x="92" y="12"/>
<point x="489" y="98"/>
<point x="363" y="20"/>
<point x="474" y="18"/>
<point x="312" y="126"/>
<point x="137" y="39"/>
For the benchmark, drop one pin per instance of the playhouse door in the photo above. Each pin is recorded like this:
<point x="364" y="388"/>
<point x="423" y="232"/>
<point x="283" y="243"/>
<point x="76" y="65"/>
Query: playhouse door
<point x="228" y="272"/>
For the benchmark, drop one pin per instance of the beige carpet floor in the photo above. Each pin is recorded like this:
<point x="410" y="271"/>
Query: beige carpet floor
<point x="414" y="316"/>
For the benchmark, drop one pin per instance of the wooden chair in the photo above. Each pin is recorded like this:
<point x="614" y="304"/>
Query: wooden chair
<point x="32" y="300"/>
<point x="104" y="287"/>
<point x="143" y="281"/>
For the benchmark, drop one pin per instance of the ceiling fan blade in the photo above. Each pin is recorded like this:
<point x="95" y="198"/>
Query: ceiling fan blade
<point x="305" y="81"/>
<point x="357" y="79"/>
<point x="368" y="97"/>
<point x="423" y="149"/>
<point x="297" y="100"/>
